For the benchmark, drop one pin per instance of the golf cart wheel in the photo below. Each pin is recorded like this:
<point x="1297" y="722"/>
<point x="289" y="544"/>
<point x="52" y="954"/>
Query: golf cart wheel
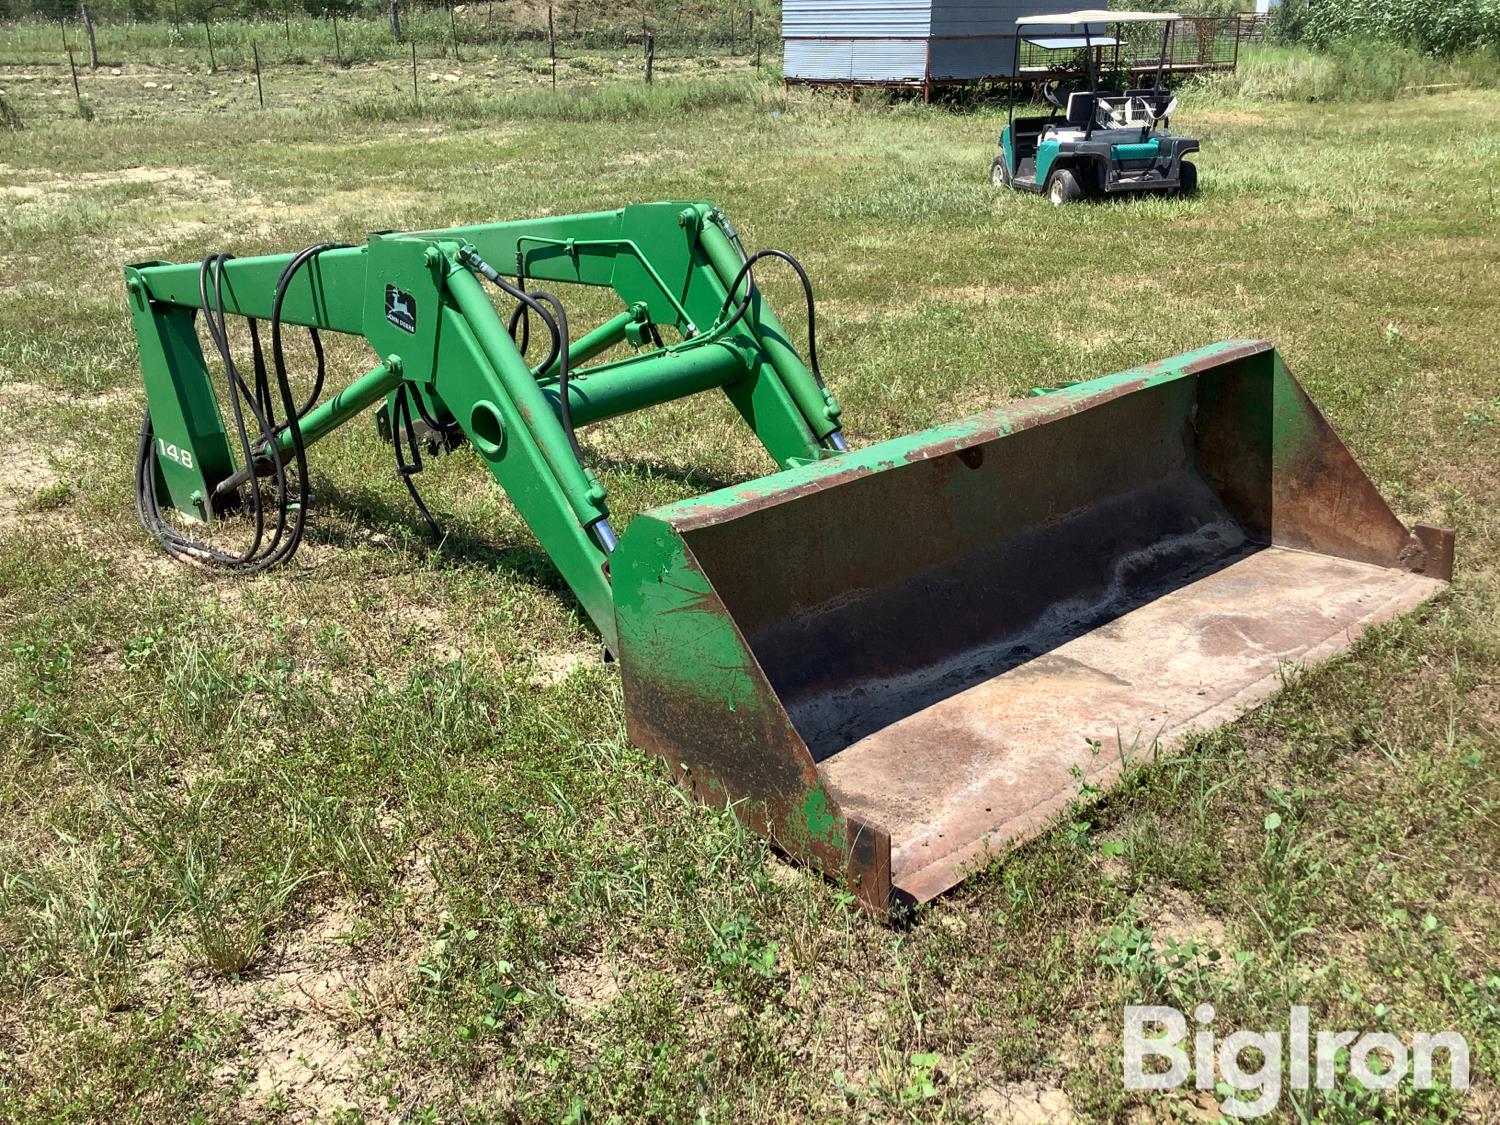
<point x="999" y="173"/>
<point x="1187" y="178"/>
<point x="1063" y="187"/>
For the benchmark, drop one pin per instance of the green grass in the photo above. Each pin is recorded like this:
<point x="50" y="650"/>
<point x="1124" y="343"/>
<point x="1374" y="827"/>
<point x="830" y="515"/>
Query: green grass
<point x="356" y="839"/>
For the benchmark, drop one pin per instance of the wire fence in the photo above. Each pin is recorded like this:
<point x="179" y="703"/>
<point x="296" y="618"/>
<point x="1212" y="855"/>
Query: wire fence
<point x="382" y="31"/>
<point x="89" y="67"/>
<point x="1192" y="44"/>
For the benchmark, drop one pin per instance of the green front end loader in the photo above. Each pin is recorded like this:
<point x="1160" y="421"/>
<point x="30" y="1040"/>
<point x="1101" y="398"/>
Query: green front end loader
<point x="896" y="661"/>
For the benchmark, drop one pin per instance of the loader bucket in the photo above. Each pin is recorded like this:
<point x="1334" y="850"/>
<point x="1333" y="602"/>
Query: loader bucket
<point x="903" y="660"/>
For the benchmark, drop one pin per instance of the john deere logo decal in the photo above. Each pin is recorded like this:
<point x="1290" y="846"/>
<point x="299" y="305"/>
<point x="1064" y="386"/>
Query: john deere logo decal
<point x="400" y="309"/>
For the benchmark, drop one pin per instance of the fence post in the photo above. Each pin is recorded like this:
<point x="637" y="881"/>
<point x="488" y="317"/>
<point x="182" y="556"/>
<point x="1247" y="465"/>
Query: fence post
<point x="415" y="97"/>
<point x="209" y="35"/>
<point x="77" y="93"/>
<point x="453" y="31"/>
<point x="396" y="19"/>
<point x="552" y="46"/>
<point x="88" y="29"/>
<point x="260" y="91"/>
<point x="650" y="56"/>
<point x="338" y="50"/>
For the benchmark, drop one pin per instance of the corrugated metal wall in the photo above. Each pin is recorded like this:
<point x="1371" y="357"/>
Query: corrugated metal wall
<point x="989" y="57"/>
<point x="984" y="17"/>
<point x="901" y="41"/>
<point x="855" y="19"/>
<point x="856" y="60"/>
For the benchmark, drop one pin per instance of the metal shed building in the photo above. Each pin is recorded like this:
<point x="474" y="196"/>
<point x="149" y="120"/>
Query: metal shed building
<point x="901" y="42"/>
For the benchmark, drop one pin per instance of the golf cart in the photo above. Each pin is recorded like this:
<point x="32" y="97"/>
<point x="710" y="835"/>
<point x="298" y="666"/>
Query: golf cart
<point x="1095" y="140"/>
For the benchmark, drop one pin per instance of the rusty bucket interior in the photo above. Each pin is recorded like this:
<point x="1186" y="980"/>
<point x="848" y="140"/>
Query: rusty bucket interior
<point x="901" y="662"/>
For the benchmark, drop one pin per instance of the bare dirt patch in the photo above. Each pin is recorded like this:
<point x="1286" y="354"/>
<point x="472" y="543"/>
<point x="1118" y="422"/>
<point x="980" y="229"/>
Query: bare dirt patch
<point x="51" y="187"/>
<point x="553" y="668"/>
<point x="1024" y="1103"/>
<point x="311" y="1013"/>
<point x="1174" y="915"/>
<point x="25" y="472"/>
<point x="592" y="984"/>
<point x="1229" y="117"/>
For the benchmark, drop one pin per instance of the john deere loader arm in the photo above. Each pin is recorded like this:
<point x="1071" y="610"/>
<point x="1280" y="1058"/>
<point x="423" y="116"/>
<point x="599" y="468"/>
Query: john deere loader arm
<point x="418" y="299"/>
<point x="895" y="661"/>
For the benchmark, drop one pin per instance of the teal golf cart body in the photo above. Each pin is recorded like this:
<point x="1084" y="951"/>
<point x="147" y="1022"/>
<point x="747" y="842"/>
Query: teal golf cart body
<point x="1094" y="140"/>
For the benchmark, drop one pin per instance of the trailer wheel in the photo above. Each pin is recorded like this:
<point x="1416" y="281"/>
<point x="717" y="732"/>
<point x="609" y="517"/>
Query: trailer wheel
<point x="1187" y="178"/>
<point x="1000" y="173"/>
<point x="1063" y="187"/>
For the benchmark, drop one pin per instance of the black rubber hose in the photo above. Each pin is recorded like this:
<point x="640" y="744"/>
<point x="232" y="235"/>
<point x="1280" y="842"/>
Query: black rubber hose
<point x="213" y="266"/>
<point x="445" y="428"/>
<point x="401" y="427"/>
<point x="292" y="411"/>
<point x="261" y="404"/>
<point x="744" y="305"/>
<point x="521" y="317"/>
<point x="283" y="283"/>
<point x="565" y="408"/>
<point x="556" y="321"/>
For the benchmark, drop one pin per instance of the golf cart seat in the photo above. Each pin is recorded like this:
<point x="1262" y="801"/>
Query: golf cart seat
<point x="1081" y="103"/>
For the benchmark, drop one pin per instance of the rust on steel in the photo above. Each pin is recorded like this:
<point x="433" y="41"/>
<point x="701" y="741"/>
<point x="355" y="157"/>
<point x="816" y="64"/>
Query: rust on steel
<point x="903" y="661"/>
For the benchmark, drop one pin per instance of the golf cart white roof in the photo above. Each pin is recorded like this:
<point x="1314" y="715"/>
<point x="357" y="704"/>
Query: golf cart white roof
<point x="1096" y="15"/>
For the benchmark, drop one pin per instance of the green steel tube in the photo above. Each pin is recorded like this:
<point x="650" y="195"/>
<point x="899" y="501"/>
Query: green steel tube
<point x="585" y="497"/>
<point x="817" y="405"/>
<point x="650" y="381"/>
<point x="601" y="339"/>
<point x="333" y="412"/>
<point x="329" y="294"/>
<point x="327" y="416"/>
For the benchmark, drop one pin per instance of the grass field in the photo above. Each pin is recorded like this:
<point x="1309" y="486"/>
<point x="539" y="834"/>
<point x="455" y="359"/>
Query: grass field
<point x="364" y="839"/>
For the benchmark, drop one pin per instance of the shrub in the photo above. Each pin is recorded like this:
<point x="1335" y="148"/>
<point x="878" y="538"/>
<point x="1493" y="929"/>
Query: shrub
<point x="1441" y="27"/>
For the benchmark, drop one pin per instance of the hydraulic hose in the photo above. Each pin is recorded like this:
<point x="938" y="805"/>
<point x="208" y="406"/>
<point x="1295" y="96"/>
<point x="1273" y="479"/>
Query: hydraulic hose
<point x="549" y="309"/>
<point x="746" y="275"/>
<point x="291" y="503"/>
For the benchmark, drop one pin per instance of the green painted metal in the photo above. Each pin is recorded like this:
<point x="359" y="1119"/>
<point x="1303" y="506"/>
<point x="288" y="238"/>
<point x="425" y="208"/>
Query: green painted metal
<point x="613" y="331"/>
<point x="192" y="451"/>
<point x="762" y="628"/>
<point x="444" y="340"/>
<point x="820" y="410"/>
<point x="1046" y="155"/>
<point x="584" y="494"/>
<point x="333" y="412"/>
<point x="607" y="391"/>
